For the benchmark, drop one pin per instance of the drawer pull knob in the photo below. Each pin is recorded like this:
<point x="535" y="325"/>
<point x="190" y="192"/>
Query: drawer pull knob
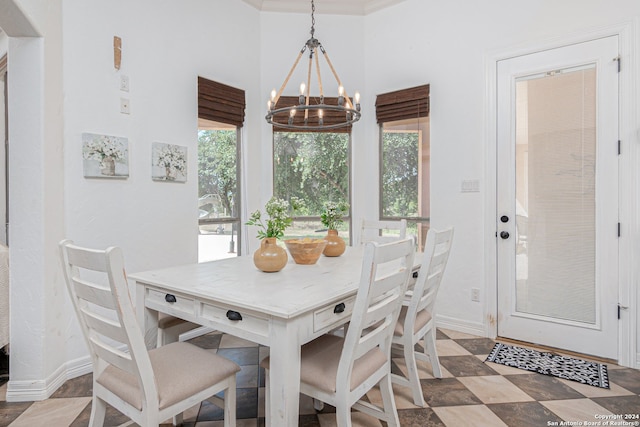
<point x="339" y="308"/>
<point x="234" y="315"/>
<point x="170" y="298"/>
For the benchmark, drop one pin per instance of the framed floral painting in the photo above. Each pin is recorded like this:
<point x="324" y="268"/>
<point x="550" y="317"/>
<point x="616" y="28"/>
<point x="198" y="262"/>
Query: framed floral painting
<point x="105" y="156"/>
<point x="168" y="162"/>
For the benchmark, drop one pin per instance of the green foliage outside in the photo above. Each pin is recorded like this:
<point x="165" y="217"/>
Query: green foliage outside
<point x="400" y="174"/>
<point x="313" y="167"/>
<point x="217" y="167"/>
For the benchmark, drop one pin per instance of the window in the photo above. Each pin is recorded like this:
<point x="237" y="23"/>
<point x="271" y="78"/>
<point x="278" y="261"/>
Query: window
<point x="404" y="158"/>
<point x="220" y="119"/>
<point x="313" y="166"/>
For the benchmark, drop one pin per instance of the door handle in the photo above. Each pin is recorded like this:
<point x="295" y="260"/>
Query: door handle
<point x="504" y="234"/>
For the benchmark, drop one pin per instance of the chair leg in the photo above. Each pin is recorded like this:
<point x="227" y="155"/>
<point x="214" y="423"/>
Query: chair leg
<point x="412" y="374"/>
<point x="390" y="410"/>
<point x="98" y="411"/>
<point x="178" y="419"/>
<point x="230" y="403"/>
<point x="430" y="350"/>
<point x="343" y="415"/>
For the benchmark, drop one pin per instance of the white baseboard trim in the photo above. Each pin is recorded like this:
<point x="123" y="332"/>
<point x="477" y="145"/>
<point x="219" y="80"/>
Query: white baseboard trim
<point x="637" y="361"/>
<point x="455" y="324"/>
<point x="35" y="390"/>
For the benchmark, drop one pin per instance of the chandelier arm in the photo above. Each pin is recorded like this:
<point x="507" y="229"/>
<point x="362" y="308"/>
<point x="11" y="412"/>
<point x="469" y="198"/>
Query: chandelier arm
<point x="319" y="76"/>
<point x="346" y="96"/>
<point x="286" y="81"/>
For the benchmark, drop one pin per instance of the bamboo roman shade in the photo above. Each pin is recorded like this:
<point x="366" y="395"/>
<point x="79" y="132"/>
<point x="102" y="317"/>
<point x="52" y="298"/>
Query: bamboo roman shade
<point x="220" y="103"/>
<point x="329" y="117"/>
<point x="403" y="104"/>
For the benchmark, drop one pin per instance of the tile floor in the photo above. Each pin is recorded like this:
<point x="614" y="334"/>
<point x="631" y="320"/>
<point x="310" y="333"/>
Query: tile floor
<point x="471" y="393"/>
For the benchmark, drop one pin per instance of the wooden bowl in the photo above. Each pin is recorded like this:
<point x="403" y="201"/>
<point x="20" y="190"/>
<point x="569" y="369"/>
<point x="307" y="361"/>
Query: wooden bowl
<point x="305" y="251"/>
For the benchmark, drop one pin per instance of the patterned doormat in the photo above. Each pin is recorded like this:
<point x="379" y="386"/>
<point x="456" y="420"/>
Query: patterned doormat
<point x="582" y="371"/>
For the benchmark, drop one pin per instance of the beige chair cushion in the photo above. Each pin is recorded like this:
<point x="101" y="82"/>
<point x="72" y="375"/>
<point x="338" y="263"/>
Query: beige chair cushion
<point x="320" y="359"/>
<point x="180" y="369"/>
<point x="421" y="319"/>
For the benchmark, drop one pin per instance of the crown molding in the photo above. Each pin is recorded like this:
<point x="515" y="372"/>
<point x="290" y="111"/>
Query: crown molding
<point x="330" y="7"/>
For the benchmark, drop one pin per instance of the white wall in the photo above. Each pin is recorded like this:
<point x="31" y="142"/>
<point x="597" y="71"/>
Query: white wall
<point x="446" y="45"/>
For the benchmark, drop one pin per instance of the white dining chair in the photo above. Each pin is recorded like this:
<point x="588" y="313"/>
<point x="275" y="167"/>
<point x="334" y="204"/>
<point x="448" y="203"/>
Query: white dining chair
<point x="416" y="320"/>
<point x="340" y="371"/>
<point x="382" y="231"/>
<point x="146" y="386"/>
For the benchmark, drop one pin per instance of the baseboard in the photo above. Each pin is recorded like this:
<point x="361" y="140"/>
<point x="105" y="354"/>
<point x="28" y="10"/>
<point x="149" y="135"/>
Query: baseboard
<point x="637" y="361"/>
<point x="459" y="325"/>
<point x="35" y="390"/>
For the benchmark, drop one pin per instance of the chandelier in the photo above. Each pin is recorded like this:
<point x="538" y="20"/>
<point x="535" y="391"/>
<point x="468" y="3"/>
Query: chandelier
<point x="310" y="113"/>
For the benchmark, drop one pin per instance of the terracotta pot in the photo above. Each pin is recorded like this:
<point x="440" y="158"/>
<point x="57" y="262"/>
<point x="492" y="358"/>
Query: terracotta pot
<point x="335" y="244"/>
<point x="270" y="257"/>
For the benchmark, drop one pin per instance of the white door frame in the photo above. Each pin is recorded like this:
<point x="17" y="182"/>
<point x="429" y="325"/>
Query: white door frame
<point x="629" y="202"/>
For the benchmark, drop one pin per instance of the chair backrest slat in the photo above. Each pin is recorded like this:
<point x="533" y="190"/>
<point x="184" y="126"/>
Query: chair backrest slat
<point x="113" y="356"/>
<point x="434" y="262"/>
<point x="105" y="327"/>
<point x="386" y="269"/>
<point x="93" y="293"/>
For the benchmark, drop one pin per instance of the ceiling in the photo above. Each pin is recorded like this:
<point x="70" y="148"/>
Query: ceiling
<point x="333" y="7"/>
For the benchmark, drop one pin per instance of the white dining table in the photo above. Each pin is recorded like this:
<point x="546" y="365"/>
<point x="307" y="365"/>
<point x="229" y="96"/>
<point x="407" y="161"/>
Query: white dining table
<point x="281" y="310"/>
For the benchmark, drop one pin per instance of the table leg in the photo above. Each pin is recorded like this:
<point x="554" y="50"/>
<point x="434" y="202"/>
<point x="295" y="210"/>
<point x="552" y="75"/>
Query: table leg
<point x="147" y="318"/>
<point x="284" y="375"/>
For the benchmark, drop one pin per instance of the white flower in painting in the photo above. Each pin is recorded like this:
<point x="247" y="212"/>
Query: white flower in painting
<point x="103" y="147"/>
<point x="172" y="158"/>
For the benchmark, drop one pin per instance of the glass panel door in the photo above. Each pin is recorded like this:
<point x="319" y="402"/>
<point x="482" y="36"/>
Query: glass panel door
<point x="555" y="194"/>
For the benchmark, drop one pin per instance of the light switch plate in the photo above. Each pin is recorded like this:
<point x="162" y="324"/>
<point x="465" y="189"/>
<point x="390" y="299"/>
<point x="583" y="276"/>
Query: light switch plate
<point x="124" y="83"/>
<point x="125" y="106"/>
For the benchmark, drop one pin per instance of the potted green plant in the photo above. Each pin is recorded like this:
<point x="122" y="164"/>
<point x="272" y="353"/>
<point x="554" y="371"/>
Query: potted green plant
<point x="331" y="218"/>
<point x="270" y="257"/>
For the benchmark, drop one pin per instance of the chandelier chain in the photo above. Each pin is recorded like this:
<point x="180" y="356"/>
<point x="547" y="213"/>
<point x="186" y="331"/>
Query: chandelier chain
<point x="313" y="18"/>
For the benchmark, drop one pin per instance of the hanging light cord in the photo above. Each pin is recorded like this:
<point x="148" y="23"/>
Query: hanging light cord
<point x="313" y="18"/>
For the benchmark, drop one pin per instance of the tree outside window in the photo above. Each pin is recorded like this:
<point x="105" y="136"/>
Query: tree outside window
<point x="218" y="192"/>
<point x="314" y="167"/>
<point x="404" y="174"/>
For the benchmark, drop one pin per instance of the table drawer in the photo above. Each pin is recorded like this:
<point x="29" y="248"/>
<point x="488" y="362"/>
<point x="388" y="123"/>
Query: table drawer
<point x="165" y="303"/>
<point x="333" y="314"/>
<point x="230" y="320"/>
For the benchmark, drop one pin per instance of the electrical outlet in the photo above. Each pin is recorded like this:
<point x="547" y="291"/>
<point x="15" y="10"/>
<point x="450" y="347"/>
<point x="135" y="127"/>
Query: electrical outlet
<point x="125" y="106"/>
<point x="124" y="83"/>
<point x="475" y="294"/>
